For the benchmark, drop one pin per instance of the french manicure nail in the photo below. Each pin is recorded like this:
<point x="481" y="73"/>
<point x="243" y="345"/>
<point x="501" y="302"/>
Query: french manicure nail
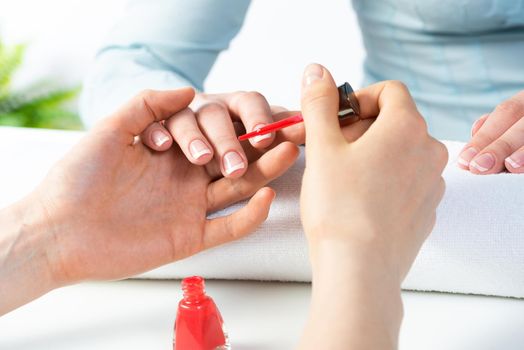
<point x="483" y="163"/>
<point x="159" y="138"/>
<point x="259" y="138"/>
<point x="516" y="160"/>
<point x="313" y="73"/>
<point x="466" y="156"/>
<point x="233" y="162"/>
<point x="198" y="149"/>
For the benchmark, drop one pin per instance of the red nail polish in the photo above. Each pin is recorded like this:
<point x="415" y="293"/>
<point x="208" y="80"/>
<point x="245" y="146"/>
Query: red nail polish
<point x="198" y="325"/>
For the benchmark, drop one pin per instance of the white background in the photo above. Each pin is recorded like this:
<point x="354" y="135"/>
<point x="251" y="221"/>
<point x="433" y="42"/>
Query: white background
<point x="278" y="39"/>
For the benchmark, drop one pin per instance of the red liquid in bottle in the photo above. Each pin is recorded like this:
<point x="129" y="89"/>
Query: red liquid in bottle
<point x="198" y="325"/>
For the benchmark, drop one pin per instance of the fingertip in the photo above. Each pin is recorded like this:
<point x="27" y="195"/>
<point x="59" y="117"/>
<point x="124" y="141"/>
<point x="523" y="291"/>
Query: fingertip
<point x="267" y="193"/>
<point x="234" y="164"/>
<point x="289" y="151"/>
<point x="262" y="200"/>
<point x="262" y="141"/>
<point x="319" y="104"/>
<point x="202" y="160"/>
<point x="157" y="138"/>
<point x="513" y="166"/>
<point x="199" y="151"/>
<point x="478" y="124"/>
<point x="293" y="148"/>
<point x="161" y="140"/>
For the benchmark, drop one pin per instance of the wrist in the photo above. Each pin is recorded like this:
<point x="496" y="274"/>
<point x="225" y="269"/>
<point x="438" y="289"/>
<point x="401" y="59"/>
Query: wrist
<point x="35" y="231"/>
<point x="359" y="245"/>
<point x="360" y="267"/>
<point x="357" y="292"/>
<point x="27" y="255"/>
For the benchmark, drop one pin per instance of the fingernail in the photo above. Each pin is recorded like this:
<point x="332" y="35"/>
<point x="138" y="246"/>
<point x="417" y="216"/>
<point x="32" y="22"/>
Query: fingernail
<point x="159" y="138"/>
<point x="257" y="139"/>
<point x="516" y="160"/>
<point x="233" y="162"/>
<point x="466" y="156"/>
<point x="483" y="162"/>
<point x="312" y="73"/>
<point x="198" y="149"/>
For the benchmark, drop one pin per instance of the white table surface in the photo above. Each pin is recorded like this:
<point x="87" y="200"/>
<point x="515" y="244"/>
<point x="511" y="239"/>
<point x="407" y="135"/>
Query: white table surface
<point x="138" y="314"/>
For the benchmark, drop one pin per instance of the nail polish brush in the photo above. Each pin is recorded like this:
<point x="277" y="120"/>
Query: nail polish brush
<point x="348" y="112"/>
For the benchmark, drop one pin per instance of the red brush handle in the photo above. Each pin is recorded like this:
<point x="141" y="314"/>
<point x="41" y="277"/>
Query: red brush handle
<point x="266" y="129"/>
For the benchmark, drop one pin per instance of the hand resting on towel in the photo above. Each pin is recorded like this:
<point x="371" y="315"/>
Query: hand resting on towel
<point x="497" y="140"/>
<point x="112" y="208"/>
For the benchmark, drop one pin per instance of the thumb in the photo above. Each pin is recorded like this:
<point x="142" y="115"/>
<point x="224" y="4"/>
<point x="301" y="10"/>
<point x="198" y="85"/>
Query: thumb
<point x="148" y="107"/>
<point x="320" y="107"/>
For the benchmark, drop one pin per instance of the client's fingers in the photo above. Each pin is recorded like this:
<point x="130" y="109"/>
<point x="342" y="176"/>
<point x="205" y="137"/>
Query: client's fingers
<point x="232" y="227"/>
<point x="157" y="137"/>
<point x="254" y="111"/>
<point x="515" y="162"/>
<point x="503" y="117"/>
<point x="478" y="124"/>
<point x="214" y="121"/>
<point x="184" y="128"/>
<point x="493" y="157"/>
<point x="271" y="165"/>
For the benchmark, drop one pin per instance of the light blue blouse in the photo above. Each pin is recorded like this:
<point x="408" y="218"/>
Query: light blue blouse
<point x="460" y="58"/>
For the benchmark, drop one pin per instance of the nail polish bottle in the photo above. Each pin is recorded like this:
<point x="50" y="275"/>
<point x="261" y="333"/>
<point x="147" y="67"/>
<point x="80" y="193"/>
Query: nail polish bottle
<point x="198" y="325"/>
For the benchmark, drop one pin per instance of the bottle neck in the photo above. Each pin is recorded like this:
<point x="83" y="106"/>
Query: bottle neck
<point x="193" y="289"/>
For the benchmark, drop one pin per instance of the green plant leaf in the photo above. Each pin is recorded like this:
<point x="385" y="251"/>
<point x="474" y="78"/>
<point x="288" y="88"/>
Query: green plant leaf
<point x="38" y="106"/>
<point x="10" y="61"/>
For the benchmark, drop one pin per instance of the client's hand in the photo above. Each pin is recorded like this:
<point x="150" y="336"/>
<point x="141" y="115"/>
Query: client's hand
<point x="367" y="203"/>
<point x="497" y="142"/>
<point x="135" y="209"/>
<point x="113" y="208"/>
<point x="207" y="131"/>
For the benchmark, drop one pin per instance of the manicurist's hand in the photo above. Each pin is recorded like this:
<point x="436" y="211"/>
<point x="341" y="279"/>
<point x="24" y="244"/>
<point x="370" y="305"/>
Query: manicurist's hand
<point x="207" y="130"/>
<point x="368" y="202"/>
<point x="497" y="140"/>
<point x="113" y="208"/>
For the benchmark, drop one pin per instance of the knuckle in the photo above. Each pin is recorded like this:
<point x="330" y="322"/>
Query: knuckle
<point x="442" y="153"/>
<point x="442" y="185"/>
<point x="239" y="189"/>
<point x="213" y="107"/>
<point x="204" y="96"/>
<point x="144" y="97"/>
<point x="211" y="199"/>
<point x="227" y="141"/>
<point x="504" y="146"/>
<point x="420" y="125"/>
<point x="143" y="104"/>
<point x="184" y="133"/>
<point x="511" y="108"/>
<point x="439" y="151"/>
<point x="414" y="128"/>
<point x="481" y="140"/>
<point x="254" y="95"/>
<point x="397" y="85"/>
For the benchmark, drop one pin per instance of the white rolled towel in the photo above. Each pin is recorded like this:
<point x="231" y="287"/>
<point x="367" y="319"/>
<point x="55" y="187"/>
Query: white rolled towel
<point x="476" y="247"/>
